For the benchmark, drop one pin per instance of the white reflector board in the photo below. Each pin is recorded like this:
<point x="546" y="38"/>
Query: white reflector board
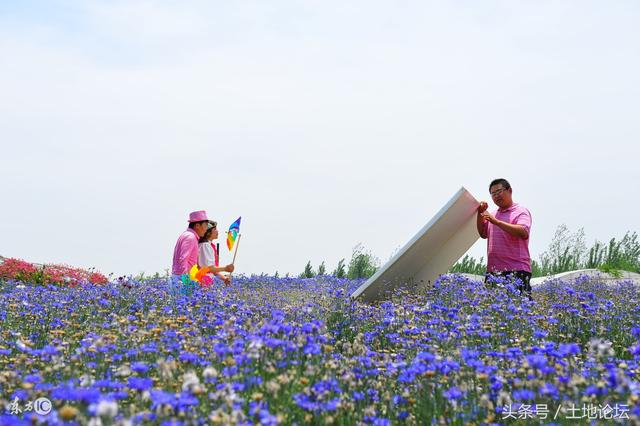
<point x="430" y="253"/>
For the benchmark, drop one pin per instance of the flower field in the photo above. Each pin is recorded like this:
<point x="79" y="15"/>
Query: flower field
<point x="20" y="270"/>
<point x="271" y="350"/>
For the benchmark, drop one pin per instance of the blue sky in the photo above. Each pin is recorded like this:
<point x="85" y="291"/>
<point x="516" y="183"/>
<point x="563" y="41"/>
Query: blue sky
<point x="324" y="124"/>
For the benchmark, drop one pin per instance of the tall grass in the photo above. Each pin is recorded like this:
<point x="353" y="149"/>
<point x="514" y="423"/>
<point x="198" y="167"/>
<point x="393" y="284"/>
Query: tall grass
<point x="568" y="251"/>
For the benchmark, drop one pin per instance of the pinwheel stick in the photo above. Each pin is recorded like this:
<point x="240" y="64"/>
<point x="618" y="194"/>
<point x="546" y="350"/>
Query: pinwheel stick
<point x="233" y="262"/>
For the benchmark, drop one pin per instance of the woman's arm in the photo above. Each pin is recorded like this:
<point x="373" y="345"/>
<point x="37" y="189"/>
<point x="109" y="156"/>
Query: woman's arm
<point x="217" y="269"/>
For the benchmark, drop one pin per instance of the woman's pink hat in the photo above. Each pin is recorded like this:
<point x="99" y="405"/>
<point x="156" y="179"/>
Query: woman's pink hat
<point x="198" y="216"/>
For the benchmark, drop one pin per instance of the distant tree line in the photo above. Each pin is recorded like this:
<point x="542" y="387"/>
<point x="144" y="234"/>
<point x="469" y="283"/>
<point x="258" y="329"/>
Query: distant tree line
<point x="568" y="252"/>
<point x="363" y="264"/>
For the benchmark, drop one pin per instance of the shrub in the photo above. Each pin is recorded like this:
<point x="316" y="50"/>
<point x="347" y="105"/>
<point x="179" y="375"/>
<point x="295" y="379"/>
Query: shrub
<point x="20" y="270"/>
<point x="340" y="271"/>
<point x="363" y="264"/>
<point x="16" y="269"/>
<point x="469" y="265"/>
<point x="308" y="271"/>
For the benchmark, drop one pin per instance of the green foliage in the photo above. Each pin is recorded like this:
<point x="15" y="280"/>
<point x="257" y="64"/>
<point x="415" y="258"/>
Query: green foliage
<point x="322" y="269"/>
<point x="623" y="255"/>
<point x="362" y="264"/>
<point x="606" y="268"/>
<point x="568" y="251"/>
<point x="340" y="271"/>
<point x="469" y="265"/>
<point x="308" y="271"/>
<point x="39" y="277"/>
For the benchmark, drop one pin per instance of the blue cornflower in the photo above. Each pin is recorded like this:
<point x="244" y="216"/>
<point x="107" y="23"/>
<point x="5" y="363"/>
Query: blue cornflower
<point x="188" y="357"/>
<point x="453" y="393"/>
<point x="550" y="390"/>
<point x="566" y="349"/>
<point x="406" y="376"/>
<point x="592" y="390"/>
<point x="312" y="349"/>
<point x="186" y="399"/>
<point x="140" y="384"/>
<point x="266" y="418"/>
<point x="524" y="395"/>
<point x="537" y="361"/>
<point x="332" y="404"/>
<point x="140" y="367"/>
<point x="160" y="397"/>
<point x="448" y="366"/>
<point x="32" y="378"/>
<point x="425" y="357"/>
<point x="172" y="423"/>
<point x="540" y="334"/>
<point x="399" y="400"/>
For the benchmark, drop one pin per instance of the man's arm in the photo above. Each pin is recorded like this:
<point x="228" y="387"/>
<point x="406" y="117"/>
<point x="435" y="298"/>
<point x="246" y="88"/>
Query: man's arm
<point x="187" y="249"/>
<point x="519" y="231"/>
<point x="515" y="230"/>
<point x="480" y="222"/>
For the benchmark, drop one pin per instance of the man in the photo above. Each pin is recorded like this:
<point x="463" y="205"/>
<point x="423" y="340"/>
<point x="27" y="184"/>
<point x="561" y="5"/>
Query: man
<point x="185" y="254"/>
<point x="507" y="234"/>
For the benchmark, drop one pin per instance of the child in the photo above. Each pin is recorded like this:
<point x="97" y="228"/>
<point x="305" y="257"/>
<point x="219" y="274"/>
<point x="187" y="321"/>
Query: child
<point x="208" y="254"/>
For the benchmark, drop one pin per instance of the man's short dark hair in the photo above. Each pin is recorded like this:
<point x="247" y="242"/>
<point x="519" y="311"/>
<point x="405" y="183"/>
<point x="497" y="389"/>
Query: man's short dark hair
<point x="193" y="224"/>
<point x="500" y="181"/>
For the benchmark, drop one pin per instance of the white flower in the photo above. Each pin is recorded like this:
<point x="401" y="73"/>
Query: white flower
<point x="600" y="348"/>
<point x="95" y="421"/>
<point x="210" y="372"/>
<point x="107" y="408"/>
<point x="86" y="380"/>
<point x="123" y="371"/>
<point x="190" y="381"/>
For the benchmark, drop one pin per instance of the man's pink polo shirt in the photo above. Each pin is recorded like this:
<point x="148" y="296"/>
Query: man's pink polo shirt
<point x="504" y="251"/>
<point x="185" y="255"/>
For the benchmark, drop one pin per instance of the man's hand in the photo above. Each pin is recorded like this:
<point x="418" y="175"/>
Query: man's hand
<point x="226" y="279"/>
<point x="488" y="217"/>
<point x="480" y="220"/>
<point x="229" y="268"/>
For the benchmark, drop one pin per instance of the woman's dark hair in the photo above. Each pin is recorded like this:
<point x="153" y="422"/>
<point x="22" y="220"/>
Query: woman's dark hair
<point x="212" y="225"/>
<point x="205" y="237"/>
<point x="500" y="181"/>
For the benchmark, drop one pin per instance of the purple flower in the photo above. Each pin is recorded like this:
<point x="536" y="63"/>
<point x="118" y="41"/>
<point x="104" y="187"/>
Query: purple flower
<point x="140" y="384"/>
<point x="453" y="393"/>
<point x="540" y="334"/>
<point x="537" y="361"/>
<point x="567" y="349"/>
<point x="550" y="390"/>
<point x="32" y="378"/>
<point x="312" y="349"/>
<point x="188" y="357"/>
<point x="140" y="367"/>
<point x="160" y="397"/>
<point x="524" y="395"/>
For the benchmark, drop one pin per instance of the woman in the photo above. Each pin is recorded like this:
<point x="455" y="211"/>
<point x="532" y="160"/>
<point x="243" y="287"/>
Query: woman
<point x="208" y="254"/>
